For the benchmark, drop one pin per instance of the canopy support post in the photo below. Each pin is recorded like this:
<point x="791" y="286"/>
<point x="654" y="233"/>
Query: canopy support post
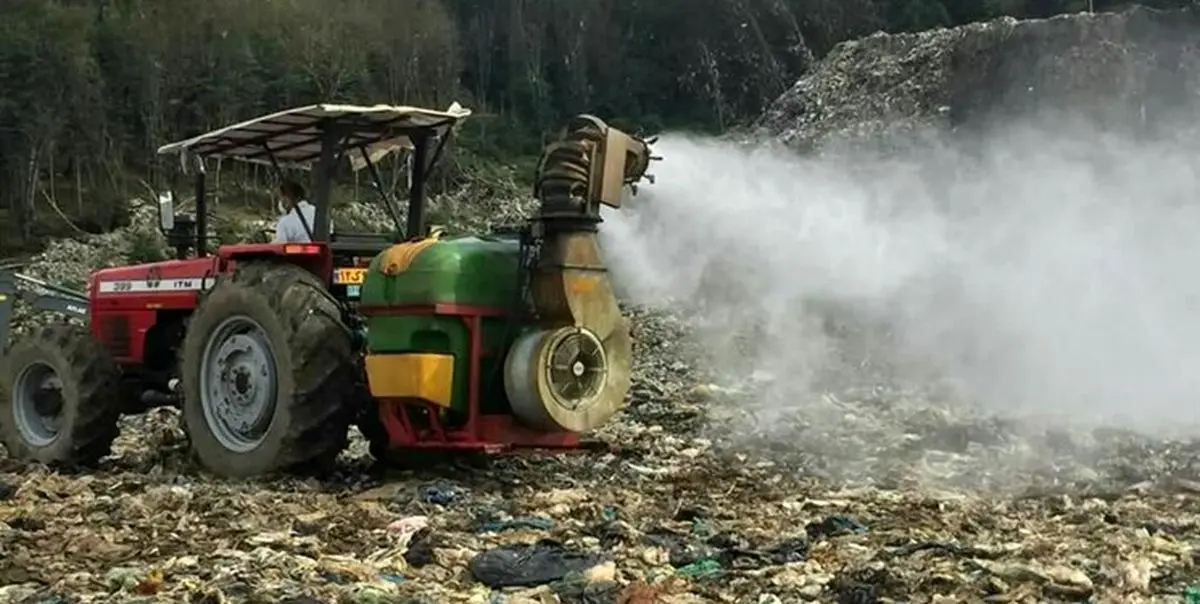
<point x="201" y="210"/>
<point x="323" y="186"/>
<point x="416" y="192"/>
<point x="377" y="180"/>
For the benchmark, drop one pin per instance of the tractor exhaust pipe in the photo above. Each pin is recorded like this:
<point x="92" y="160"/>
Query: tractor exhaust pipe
<point x="572" y="372"/>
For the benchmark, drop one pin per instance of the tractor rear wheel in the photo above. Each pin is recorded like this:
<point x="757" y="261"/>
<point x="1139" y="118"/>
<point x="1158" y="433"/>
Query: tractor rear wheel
<point x="268" y="374"/>
<point x="59" y="398"/>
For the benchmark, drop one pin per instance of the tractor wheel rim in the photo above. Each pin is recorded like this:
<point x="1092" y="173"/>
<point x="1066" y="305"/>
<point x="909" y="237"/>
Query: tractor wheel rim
<point x="37" y="404"/>
<point x="238" y="383"/>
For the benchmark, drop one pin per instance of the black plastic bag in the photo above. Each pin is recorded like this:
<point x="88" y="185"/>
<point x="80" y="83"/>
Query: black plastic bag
<point x="529" y="565"/>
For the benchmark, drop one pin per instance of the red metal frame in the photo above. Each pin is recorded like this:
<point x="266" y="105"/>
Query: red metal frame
<point x="488" y="433"/>
<point x="137" y="311"/>
<point x="134" y="313"/>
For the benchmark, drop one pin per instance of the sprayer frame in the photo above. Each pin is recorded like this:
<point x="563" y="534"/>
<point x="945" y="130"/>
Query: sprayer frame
<point x="479" y="433"/>
<point x="588" y="152"/>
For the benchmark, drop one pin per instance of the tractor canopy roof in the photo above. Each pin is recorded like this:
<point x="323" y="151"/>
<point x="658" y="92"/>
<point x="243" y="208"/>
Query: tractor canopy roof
<point x="294" y="138"/>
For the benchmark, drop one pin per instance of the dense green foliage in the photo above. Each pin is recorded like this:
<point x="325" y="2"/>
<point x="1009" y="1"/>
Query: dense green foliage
<point x="91" y="87"/>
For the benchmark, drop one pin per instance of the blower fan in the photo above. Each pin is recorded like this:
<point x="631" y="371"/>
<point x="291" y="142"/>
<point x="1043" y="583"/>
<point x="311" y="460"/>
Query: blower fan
<point x="576" y="367"/>
<point x="561" y="380"/>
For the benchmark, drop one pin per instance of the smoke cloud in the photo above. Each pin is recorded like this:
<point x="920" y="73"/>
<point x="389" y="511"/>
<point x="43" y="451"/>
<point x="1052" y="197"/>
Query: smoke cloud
<point x="1047" y="269"/>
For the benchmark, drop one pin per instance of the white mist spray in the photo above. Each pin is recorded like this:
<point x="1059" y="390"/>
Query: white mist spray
<point x="1048" y="271"/>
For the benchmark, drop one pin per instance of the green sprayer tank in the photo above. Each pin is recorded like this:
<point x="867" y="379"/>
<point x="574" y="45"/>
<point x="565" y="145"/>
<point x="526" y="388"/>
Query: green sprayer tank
<point x="434" y="279"/>
<point x="446" y="325"/>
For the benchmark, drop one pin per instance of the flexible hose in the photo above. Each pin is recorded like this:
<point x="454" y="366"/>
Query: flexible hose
<point x="565" y="171"/>
<point x="564" y="176"/>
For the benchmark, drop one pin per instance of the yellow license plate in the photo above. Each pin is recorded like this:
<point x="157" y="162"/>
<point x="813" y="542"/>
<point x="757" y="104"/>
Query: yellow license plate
<point x="349" y="276"/>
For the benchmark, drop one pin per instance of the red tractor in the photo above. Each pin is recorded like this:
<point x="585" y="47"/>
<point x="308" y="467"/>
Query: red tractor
<point x="272" y="351"/>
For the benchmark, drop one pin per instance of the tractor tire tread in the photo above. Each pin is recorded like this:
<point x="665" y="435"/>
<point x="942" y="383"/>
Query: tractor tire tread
<point x="82" y="361"/>
<point x="322" y="363"/>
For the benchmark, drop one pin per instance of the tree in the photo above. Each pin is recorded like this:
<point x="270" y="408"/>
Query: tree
<point x="93" y="87"/>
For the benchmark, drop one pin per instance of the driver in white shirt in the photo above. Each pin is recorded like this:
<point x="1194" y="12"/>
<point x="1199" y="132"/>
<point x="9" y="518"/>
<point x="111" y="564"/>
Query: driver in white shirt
<point x="289" y="228"/>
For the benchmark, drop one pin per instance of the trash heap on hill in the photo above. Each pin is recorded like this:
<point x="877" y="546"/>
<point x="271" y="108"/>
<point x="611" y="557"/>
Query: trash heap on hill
<point x="1135" y="69"/>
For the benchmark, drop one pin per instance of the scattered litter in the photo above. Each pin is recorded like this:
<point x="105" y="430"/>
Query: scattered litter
<point x="529" y="565"/>
<point x="834" y="526"/>
<point x="700" y="568"/>
<point x="409" y="525"/>
<point x="491" y="524"/>
<point x="420" y="549"/>
<point x="737" y="510"/>
<point x="442" y="494"/>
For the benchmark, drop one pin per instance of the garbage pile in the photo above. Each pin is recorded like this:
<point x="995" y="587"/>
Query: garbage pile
<point x="1136" y="69"/>
<point x="675" y="502"/>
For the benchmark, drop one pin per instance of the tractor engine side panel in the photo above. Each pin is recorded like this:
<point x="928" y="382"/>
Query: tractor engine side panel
<point x="126" y="302"/>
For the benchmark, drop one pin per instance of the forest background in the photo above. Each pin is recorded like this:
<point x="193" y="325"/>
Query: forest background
<point x="90" y="88"/>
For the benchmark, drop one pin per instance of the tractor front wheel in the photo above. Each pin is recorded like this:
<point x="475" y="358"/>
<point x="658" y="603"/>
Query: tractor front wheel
<point x="268" y="374"/>
<point x="59" y="398"/>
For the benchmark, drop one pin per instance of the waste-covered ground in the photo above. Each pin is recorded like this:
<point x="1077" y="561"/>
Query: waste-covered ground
<point x="712" y="486"/>
<point x="880" y="497"/>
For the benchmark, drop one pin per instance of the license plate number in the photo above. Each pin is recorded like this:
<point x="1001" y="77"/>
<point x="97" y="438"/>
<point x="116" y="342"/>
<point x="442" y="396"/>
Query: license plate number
<point x="349" y="276"/>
